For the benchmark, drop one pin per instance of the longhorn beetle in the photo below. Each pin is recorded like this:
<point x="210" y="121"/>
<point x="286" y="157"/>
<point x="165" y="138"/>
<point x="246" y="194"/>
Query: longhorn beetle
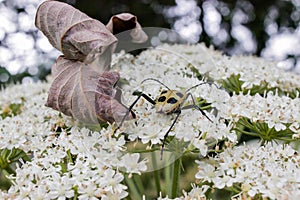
<point x="168" y="102"/>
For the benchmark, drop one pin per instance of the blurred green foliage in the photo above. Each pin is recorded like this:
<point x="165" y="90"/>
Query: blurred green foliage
<point x="258" y="15"/>
<point x="259" y="21"/>
<point x="7" y="78"/>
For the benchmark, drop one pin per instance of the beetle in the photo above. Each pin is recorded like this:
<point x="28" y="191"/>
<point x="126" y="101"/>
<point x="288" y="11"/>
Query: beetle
<point x="168" y="102"/>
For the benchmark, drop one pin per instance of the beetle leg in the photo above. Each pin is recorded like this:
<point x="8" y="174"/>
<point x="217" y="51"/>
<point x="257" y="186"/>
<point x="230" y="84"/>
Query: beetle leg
<point x="167" y="133"/>
<point x="139" y="94"/>
<point x="195" y="106"/>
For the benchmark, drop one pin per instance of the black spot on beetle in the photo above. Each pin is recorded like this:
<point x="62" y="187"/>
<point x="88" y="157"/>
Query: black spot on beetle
<point x="163" y="92"/>
<point x="172" y="100"/>
<point x="179" y="94"/>
<point x="161" y="99"/>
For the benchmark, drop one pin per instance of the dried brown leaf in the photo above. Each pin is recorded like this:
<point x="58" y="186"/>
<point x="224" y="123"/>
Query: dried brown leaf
<point x="75" y="34"/>
<point x="127" y="22"/>
<point x="82" y="88"/>
<point x="87" y="95"/>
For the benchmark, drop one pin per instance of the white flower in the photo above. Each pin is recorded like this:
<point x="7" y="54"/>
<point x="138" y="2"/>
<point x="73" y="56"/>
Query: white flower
<point x="114" y="196"/>
<point x="201" y="145"/>
<point x="274" y="121"/>
<point x="111" y="181"/>
<point x="206" y="172"/>
<point x="88" y="191"/>
<point x="196" y="192"/>
<point x="295" y="128"/>
<point x="79" y="167"/>
<point x="61" y="187"/>
<point x="113" y="144"/>
<point x="132" y="165"/>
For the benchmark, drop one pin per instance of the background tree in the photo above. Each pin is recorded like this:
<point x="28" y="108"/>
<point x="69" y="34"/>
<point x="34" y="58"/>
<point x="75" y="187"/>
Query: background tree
<point x="264" y="28"/>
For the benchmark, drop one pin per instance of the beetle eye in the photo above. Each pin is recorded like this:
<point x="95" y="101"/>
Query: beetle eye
<point x="172" y="100"/>
<point x="179" y="94"/>
<point x="161" y="99"/>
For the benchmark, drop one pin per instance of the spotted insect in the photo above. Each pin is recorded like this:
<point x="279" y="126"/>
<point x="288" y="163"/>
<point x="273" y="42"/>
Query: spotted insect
<point x="168" y="102"/>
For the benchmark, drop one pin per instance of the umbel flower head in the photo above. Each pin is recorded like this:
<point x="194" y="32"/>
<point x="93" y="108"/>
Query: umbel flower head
<point x="48" y="155"/>
<point x="269" y="171"/>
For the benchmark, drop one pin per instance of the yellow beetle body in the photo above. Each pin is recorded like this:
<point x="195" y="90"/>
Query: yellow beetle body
<point x="169" y="101"/>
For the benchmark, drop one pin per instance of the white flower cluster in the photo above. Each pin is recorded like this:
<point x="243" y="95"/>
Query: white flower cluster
<point x="30" y="126"/>
<point x="175" y="74"/>
<point x="269" y="171"/>
<point x="68" y="161"/>
<point x="275" y="110"/>
<point x="252" y="70"/>
<point x="172" y="66"/>
<point x="95" y="170"/>
<point x="75" y="162"/>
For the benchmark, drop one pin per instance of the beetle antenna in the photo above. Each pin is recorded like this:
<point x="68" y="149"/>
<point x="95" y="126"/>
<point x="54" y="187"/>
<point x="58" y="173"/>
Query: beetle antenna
<point x="210" y="83"/>
<point x="153" y="79"/>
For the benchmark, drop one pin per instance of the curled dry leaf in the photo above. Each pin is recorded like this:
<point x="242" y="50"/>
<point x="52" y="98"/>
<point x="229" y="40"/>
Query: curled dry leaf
<point x="124" y="22"/>
<point x="79" y="91"/>
<point x="75" y="34"/>
<point x="82" y="88"/>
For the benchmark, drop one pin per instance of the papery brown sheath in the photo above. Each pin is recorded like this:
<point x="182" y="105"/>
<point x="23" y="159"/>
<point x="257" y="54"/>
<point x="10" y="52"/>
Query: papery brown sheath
<point x="82" y="86"/>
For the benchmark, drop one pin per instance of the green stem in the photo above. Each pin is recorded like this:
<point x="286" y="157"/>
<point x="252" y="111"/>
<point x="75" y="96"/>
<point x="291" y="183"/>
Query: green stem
<point x="139" y="184"/>
<point x="214" y="143"/>
<point x="156" y="174"/>
<point x="244" y="122"/>
<point x="144" y="151"/>
<point x="134" y="193"/>
<point x="168" y="179"/>
<point x="75" y="193"/>
<point x="246" y="132"/>
<point x="270" y="131"/>
<point x="206" y="107"/>
<point x="10" y="170"/>
<point x="237" y="187"/>
<point x="287" y="139"/>
<point x="232" y="189"/>
<point x="69" y="157"/>
<point x="176" y="172"/>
